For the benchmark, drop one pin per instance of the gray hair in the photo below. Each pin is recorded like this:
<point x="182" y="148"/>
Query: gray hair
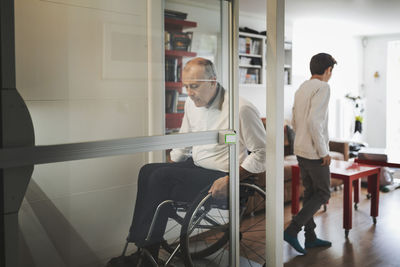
<point x="209" y="67"/>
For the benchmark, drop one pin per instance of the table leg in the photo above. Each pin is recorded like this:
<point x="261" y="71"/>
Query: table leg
<point x="295" y="189"/>
<point x="347" y="210"/>
<point x="373" y="185"/>
<point x="356" y="188"/>
<point x="370" y="188"/>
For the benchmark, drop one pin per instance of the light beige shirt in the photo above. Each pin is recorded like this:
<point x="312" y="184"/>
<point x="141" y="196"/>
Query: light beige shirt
<point x="310" y="119"/>
<point x="215" y="117"/>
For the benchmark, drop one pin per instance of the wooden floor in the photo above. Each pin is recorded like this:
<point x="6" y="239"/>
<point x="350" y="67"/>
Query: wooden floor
<point x="368" y="245"/>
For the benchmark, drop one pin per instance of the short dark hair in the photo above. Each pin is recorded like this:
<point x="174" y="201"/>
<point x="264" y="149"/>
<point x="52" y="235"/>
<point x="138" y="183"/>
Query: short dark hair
<point x="320" y="62"/>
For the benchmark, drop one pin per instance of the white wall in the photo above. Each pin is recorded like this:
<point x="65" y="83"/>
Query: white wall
<point x="82" y="70"/>
<point x="354" y="73"/>
<point x="375" y="60"/>
<point x="309" y="38"/>
<point x="313" y="36"/>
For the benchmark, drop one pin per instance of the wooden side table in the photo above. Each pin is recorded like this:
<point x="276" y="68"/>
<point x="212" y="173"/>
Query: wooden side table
<point x="349" y="173"/>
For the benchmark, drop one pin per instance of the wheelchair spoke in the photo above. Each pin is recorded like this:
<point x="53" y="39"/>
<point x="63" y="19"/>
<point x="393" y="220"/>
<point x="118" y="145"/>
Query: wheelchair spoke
<point x="261" y="257"/>
<point x="254" y="241"/>
<point x="205" y="229"/>
<point x="205" y="243"/>
<point x="245" y="254"/>
<point x="205" y="237"/>
<point x="196" y="222"/>
<point x="220" y="258"/>
<point x="250" y="227"/>
<point x="258" y="205"/>
<point x="214" y="235"/>
<point x="213" y="221"/>
<point x="254" y="231"/>
<point x="221" y="216"/>
<point x="220" y="254"/>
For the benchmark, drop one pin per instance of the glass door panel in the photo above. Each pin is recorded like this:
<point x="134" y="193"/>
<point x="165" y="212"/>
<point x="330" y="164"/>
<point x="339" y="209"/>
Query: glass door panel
<point x="198" y="99"/>
<point x="94" y="71"/>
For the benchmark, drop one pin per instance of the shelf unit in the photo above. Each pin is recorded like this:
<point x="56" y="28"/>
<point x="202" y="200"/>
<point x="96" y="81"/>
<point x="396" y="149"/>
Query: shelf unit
<point x="247" y="57"/>
<point x="251" y="59"/>
<point x="173" y="120"/>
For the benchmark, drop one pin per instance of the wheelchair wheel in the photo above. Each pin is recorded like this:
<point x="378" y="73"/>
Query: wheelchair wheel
<point x="252" y="224"/>
<point x="205" y="231"/>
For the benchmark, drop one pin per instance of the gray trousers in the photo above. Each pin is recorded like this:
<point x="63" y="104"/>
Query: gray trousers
<point x="316" y="181"/>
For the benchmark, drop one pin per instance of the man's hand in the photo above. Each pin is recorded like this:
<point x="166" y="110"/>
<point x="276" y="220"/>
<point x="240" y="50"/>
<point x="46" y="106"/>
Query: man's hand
<point x="326" y="161"/>
<point x="219" y="188"/>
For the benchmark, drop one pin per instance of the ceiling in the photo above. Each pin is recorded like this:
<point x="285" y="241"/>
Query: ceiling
<point x="363" y="17"/>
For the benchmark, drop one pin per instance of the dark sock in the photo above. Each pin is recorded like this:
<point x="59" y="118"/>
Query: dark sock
<point x="310" y="235"/>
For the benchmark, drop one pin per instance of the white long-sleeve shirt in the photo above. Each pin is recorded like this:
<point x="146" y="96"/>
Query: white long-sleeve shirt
<point x="216" y="117"/>
<point x="310" y="119"/>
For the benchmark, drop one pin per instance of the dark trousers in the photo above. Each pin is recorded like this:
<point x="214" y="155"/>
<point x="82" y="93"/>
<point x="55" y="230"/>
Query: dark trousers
<point x="157" y="182"/>
<point x="316" y="182"/>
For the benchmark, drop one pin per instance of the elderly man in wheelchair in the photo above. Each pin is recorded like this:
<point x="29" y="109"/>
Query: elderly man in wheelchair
<point x="196" y="178"/>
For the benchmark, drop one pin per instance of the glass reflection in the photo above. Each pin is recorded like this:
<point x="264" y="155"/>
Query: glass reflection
<point x="82" y="68"/>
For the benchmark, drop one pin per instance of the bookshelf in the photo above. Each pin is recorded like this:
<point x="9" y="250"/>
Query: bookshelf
<point x="252" y="60"/>
<point x="177" y="46"/>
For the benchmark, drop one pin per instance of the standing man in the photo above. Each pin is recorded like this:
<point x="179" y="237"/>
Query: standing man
<point x="311" y="146"/>
<point x="196" y="168"/>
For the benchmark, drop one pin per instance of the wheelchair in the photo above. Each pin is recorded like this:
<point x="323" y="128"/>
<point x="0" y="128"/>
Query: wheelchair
<point x="203" y="238"/>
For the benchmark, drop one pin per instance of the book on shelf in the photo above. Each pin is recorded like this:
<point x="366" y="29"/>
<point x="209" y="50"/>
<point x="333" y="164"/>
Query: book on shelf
<point x="248" y="45"/>
<point x="181" y="103"/>
<point x="172" y="70"/>
<point x="167" y="41"/>
<point x="249" y="76"/>
<point x="255" y="47"/>
<point x="180" y="41"/>
<point x="242" y="75"/>
<point x="171" y="101"/>
<point x="174" y="101"/>
<point x="242" y="45"/>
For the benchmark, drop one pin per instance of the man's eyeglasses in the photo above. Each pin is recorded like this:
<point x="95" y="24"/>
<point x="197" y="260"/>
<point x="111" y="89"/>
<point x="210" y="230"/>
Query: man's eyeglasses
<point x="194" y="86"/>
